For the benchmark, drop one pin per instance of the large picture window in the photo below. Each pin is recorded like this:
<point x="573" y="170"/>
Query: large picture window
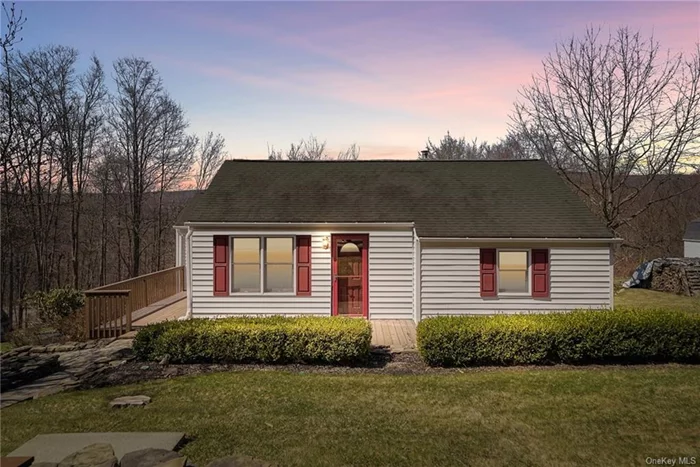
<point x="262" y="264"/>
<point x="513" y="271"/>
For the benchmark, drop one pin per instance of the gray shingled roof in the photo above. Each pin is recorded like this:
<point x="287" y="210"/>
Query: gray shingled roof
<point x="523" y="198"/>
<point x="692" y="232"/>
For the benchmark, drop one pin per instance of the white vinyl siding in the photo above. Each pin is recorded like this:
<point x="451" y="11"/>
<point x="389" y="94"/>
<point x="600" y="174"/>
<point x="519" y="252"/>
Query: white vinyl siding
<point x="580" y="277"/>
<point x="391" y="258"/>
<point x="391" y="275"/>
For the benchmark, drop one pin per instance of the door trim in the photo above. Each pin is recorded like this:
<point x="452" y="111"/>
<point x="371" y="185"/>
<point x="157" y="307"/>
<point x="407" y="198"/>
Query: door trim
<point x="365" y="272"/>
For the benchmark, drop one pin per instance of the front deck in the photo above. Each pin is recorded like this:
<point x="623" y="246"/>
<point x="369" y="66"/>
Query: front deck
<point x="116" y="309"/>
<point x="396" y="334"/>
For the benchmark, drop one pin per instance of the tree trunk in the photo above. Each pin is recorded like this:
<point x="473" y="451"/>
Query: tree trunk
<point x="103" y="241"/>
<point x="136" y="242"/>
<point x="11" y="294"/>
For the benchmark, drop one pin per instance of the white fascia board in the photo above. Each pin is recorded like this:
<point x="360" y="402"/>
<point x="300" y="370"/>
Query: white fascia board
<point x="519" y="239"/>
<point x="321" y="225"/>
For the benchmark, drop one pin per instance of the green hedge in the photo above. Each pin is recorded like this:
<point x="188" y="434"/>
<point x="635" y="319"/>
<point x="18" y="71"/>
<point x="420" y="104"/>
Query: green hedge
<point x="264" y="340"/>
<point x="628" y="335"/>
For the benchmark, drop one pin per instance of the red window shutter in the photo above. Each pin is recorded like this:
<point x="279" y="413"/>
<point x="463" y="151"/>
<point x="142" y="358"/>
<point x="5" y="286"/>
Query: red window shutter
<point x="487" y="270"/>
<point x="221" y="265"/>
<point x="303" y="265"/>
<point x="540" y="273"/>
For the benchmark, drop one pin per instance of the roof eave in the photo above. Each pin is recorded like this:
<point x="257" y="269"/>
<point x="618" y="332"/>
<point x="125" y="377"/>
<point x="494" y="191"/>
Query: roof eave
<point x="522" y="239"/>
<point x="300" y="224"/>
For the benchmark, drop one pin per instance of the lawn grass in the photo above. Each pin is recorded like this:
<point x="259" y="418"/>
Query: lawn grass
<point x="551" y="416"/>
<point x="644" y="298"/>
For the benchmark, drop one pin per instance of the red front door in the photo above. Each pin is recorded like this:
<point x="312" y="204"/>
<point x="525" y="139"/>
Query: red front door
<point x="350" y="274"/>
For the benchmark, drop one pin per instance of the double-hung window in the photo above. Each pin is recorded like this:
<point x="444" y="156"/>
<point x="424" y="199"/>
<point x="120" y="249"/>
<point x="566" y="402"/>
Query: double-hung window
<point x="513" y="272"/>
<point x="262" y="265"/>
<point x="245" y="273"/>
<point x="279" y="264"/>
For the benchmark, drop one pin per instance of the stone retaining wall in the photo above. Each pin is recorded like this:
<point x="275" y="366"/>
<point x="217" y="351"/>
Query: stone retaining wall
<point x="31" y="372"/>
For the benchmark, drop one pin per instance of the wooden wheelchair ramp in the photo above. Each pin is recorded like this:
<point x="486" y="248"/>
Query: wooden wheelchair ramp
<point x="113" y="309"/>
<point x="165" y="310"/>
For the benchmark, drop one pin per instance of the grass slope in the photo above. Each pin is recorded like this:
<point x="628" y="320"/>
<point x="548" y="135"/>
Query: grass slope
<point x="644" y="298"/>
<point x="591" y="416"/>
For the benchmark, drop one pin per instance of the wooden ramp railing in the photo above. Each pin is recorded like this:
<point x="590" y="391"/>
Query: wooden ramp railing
<point x="109" y="309"/>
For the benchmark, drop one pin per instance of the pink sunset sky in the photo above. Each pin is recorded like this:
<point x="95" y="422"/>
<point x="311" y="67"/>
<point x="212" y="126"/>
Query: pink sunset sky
<point x="384" y="75"/>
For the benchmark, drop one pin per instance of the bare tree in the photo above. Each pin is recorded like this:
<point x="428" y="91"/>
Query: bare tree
<point x="86" y="187"/>
<point x="210" y="155"/>
<point x="100" y="181"/>
<point x="450" y="147"/>
<point x="150" y="130"/>
<point x="312" y="150"/>
<point x="352" y="153"/>
<point x="77" y="102"/>
<point x="513" y="146"/>
<point x="13" y="21"/>
<point x="607" y="108"/>
<point x="33" y="161"/>
<point x="174" y="161"/>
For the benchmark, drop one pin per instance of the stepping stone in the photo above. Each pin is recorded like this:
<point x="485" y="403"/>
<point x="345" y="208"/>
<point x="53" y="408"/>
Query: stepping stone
<point x="55" y="447"/>
<point x="149" y="457"/>
<point x="94" y="455"/>
<point x="130" y="401"/>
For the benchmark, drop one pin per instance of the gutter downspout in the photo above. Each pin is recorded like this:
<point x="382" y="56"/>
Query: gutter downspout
<point x="188" y="265"/>
<point x="416" y="277"/>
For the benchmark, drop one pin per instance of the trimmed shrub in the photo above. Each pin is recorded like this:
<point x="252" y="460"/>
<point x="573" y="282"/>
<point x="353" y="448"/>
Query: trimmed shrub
<point x="265" y="340"/>
<point x="585" y="336"/>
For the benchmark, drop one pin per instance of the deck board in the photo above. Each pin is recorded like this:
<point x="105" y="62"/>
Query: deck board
<point x="159" y="305"/>
<point x="397" y="334"/>
<point x="173" y="311"/>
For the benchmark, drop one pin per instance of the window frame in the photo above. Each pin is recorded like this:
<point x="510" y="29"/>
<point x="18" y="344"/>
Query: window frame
<point x="263" y="244"/>
<point x="528" y="272"/>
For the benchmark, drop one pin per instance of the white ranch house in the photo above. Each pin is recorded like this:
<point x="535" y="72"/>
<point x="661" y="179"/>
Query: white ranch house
<point x="391" y="240"/>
